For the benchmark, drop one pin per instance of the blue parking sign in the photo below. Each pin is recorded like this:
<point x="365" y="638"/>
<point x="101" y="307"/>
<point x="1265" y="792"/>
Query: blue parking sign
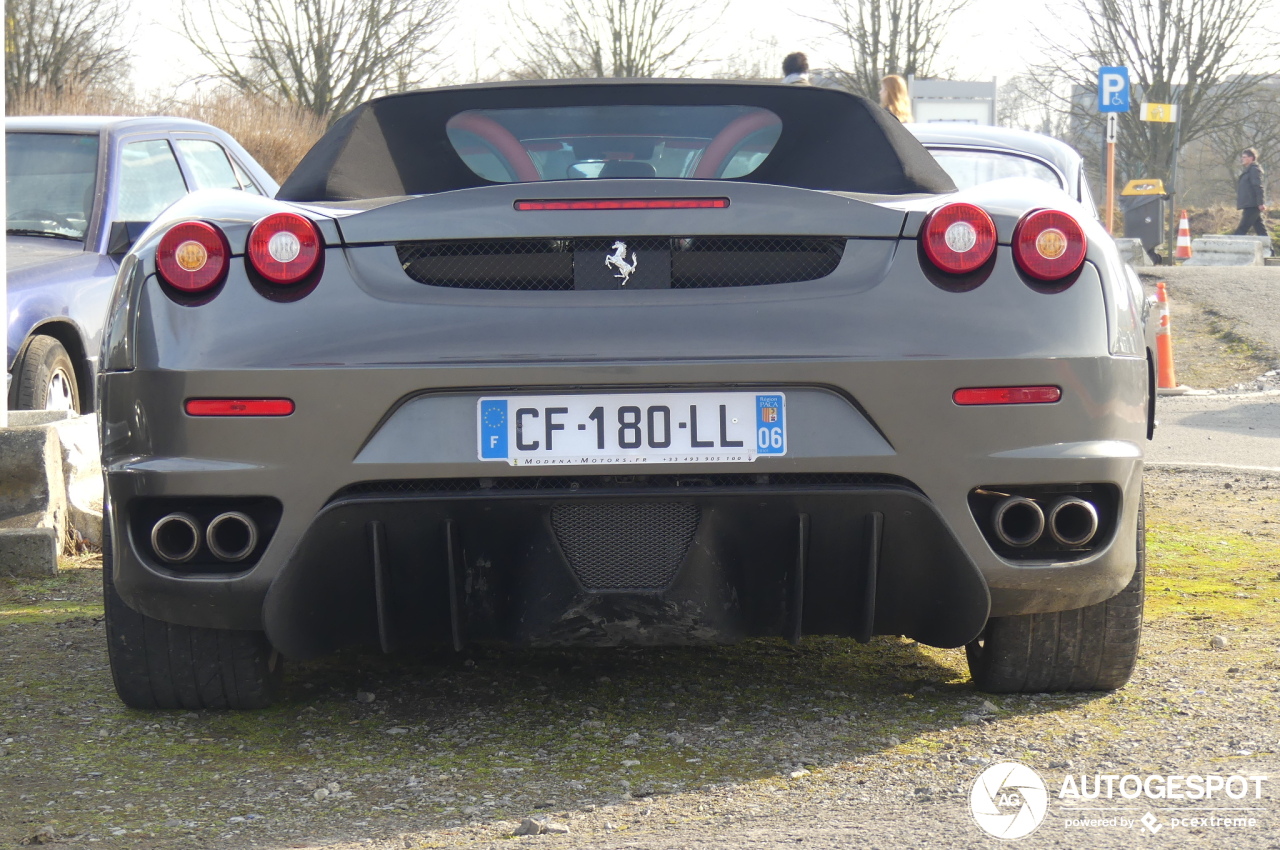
<point x="1113" y="89"/>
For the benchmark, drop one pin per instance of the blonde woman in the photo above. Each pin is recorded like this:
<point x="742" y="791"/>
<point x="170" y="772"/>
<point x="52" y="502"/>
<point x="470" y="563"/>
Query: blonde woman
<point x="894" y="97"/>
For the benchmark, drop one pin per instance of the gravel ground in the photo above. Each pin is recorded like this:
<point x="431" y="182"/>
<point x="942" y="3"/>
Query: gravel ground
<point x="763" y="745"/>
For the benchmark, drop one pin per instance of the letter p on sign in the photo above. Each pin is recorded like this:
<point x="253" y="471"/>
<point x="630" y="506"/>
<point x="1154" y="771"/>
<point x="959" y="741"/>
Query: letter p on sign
<point x="1113" y="89"/>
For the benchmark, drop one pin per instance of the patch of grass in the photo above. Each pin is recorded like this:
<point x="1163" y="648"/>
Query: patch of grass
<point x="1211" y="572"/>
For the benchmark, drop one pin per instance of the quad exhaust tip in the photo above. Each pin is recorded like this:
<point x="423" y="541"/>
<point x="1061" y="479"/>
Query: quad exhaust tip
<point x="1073" y="522"/>
<point x="175" y="538"/>
<point x="232" y="536"/>
<point x="1018" y="521"/>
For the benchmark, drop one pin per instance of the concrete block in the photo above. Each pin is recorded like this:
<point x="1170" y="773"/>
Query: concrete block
<point x="1264" y="241"/>
<point x="29" y="551"/>
<point x="31" y="477"/>
<point x="33" y="498"/>
<point x="1132" y="251"/>
<point x="1226" y="251"/>
<point x="82" y="473"/>
<point x="28" y="418"/>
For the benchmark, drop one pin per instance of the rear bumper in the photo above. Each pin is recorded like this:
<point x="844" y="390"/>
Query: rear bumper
<point x="314" y="585"/>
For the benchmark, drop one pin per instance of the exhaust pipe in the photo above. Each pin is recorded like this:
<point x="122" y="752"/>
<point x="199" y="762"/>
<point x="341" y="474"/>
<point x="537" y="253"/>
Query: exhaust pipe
<point x="175" y="538"/>
<point x="1073" y="522"/>
<point x="1018" y="521"/>
<point x="232" y="536"/>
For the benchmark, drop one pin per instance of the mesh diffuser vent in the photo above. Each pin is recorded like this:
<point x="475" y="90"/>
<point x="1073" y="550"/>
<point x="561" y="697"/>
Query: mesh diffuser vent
<point x="625" y="546"/>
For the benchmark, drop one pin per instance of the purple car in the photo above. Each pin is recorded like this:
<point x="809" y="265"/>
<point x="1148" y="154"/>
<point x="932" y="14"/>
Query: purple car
<point x="80" y="191"/>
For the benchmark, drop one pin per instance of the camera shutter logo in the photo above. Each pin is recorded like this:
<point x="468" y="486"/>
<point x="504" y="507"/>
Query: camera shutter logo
<point x="1009" y="800"/>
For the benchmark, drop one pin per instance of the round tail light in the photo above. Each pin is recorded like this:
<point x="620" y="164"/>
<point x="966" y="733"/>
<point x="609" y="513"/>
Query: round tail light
<point x="1048" y="245"/>
<point x="959" y="238"/>
<point x="284" y="248"/>
<point x="193" y="257"/>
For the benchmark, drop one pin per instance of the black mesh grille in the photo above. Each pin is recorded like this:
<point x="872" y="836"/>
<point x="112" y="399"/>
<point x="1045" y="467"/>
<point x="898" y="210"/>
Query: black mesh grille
<point x="548" y="264"/>
<point x="517" y="264"/>
<point x="569" y="484"/>
<point x="625" y="546"/>
<point x="699" y="263"/>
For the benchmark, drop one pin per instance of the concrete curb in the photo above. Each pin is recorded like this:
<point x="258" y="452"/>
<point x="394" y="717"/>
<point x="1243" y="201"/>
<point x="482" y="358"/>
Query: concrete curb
<point x="1229" y="251"/>
<point x="50" y="489"/>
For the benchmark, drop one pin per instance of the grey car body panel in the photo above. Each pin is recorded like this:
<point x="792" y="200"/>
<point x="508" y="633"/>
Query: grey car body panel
<point x="823" y="425"/>
<point x="386" y="373"/>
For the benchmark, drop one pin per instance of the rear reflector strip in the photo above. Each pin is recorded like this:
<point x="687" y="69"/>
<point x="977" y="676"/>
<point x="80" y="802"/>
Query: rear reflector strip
<point x="239" y="406"/>
<point x="627" y="204"/>
<point x="1007" y="395"/>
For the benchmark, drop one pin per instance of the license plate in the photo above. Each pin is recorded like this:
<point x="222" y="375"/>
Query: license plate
<point x="566" y="430"/>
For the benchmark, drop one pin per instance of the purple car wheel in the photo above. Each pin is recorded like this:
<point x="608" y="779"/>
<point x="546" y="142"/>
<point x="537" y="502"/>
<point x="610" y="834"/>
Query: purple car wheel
<point x="44" y="378"/>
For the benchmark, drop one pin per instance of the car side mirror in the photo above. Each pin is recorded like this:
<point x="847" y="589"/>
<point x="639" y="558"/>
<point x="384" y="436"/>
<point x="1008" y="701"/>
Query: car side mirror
<point x="123" y="235"/>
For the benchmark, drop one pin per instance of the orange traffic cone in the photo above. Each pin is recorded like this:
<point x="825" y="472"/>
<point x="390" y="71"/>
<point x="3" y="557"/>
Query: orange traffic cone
<point x="1164" y="342"/>
<point x="1183" y="249"/>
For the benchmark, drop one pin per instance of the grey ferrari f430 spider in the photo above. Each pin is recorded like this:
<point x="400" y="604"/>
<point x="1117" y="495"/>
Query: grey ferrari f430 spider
<point x="622" y="363"/>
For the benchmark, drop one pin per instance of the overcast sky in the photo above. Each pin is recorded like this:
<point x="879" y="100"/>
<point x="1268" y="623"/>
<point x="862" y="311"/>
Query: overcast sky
<point x="990" y="38"/>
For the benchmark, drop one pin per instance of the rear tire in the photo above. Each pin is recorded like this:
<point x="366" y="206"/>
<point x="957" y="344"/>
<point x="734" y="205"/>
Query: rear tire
<point x="1086" y="649"/>
<point x="44" y="378"/>
<point x="159" y="665"/>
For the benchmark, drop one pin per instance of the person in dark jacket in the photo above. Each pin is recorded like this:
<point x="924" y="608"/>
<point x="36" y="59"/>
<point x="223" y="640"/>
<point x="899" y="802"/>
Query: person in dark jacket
<point x="795" y="69"/>
<point x="1251" y="194"/>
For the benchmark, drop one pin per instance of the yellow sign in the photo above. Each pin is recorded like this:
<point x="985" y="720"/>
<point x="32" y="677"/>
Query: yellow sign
<point x="1163" y="112"/>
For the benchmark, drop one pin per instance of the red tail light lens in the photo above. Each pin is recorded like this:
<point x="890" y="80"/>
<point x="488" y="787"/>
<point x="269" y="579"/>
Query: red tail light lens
<point x="625" y="204"/>
<point x="284" y="248"/>
<point x="193" y="257"/>
<point x="959" y="238"/>
<point x="1048" y="244"/>
<point x="239" y="406"/>
<point x="1007" y="395"/>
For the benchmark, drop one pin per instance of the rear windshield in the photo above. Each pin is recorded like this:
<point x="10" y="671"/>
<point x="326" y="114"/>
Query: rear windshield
<point x="50" y="183"/>
<point x="588" y="142"/>
<point x="971" y="167"/>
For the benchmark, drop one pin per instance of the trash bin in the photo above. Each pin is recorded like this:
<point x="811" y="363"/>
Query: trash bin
<point x="1142" y="202"/>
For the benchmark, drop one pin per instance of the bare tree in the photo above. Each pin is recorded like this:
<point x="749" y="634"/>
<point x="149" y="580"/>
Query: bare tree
<point x="1207" y="56"/>
<point x="757" y="59"/>
<point x="1021" y="104"/>
<point x="326" y="56"/>
<point x="612" y="38"/>
<point x="889" y="37"/>
<point x="51" y="46"/>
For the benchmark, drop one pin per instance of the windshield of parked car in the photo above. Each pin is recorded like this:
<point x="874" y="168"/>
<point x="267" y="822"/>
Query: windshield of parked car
<point x="971" y="167"/>
<point x="49" y="178"/>
<point x="589" y="142"/>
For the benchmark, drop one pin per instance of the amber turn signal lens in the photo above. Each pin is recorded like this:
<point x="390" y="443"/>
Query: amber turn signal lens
<point x="1049" y="245"/>
<point x="192" y="257"/>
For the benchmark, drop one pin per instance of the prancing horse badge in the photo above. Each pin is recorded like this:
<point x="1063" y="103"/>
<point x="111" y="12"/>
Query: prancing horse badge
<point x="618" y="260"/>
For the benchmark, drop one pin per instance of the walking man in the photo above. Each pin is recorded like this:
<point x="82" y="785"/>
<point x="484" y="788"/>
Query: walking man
<point x="1251" y="194"/>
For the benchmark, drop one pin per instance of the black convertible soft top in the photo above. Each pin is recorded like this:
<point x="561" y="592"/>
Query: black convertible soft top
<point x="829" y="140"/>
